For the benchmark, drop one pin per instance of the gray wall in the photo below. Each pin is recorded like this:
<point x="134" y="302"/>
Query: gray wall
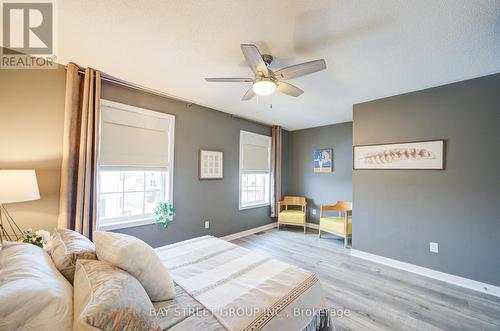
<point x="285" y="162"/>
<point x="397" y="213"/>
<point x="320" y="188"/>
<point x="196" y="201"/>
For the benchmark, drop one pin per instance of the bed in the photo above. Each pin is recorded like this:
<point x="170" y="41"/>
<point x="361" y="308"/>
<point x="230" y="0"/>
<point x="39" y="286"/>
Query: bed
<point x="222" y="286"/>
<point x="212" y="285"/>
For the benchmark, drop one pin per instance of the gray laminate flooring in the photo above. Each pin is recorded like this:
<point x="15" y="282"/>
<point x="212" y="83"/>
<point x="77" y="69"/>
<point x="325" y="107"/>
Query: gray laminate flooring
<point x="377" y="297"/>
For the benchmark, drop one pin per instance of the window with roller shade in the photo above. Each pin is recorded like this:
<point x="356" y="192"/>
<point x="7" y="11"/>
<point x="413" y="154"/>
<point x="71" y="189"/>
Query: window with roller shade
<point x="135" y="169"/>
<point x="255" y="169"/>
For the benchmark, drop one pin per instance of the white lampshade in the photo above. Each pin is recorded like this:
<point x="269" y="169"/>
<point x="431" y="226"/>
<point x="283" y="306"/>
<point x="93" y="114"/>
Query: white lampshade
<point x="18" y="186"/>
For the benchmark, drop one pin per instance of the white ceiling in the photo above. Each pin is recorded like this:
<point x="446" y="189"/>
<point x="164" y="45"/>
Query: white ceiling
<point x="373" y="49"/>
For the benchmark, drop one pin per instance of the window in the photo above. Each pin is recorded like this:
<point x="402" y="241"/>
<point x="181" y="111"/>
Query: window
<point x="130" y="193"/>
<point x="135" y="165"/>
<point x="255" y="155"/>
<point x="254" y="189"/>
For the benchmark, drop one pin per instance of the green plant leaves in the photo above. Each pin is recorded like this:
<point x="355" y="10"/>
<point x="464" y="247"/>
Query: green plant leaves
<point x="164" y="213"/>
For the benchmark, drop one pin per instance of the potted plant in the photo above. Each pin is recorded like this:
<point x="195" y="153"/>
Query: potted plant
<point x="38" y="238"/>
<point x="164" y="213"/>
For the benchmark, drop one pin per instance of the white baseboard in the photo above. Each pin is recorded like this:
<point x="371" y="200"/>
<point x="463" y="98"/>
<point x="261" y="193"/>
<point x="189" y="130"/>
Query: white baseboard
<point x="249" y="231"/>
<point x="259" y="229"/>
<point x="442" y="276"/>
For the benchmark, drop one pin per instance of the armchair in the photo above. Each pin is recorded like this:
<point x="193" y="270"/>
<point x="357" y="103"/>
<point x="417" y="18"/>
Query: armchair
<point x="337" y="225"/>
<point x="292" y="216"/>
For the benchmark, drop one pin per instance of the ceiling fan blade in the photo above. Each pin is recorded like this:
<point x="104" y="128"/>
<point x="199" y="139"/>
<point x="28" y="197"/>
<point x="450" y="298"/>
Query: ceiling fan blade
<point x="249" y="95"/>
<point x="289" y="89"/>
<point x="254" y="59"/>
<point x="299" y="70"/>
<point x="229" y="80"/>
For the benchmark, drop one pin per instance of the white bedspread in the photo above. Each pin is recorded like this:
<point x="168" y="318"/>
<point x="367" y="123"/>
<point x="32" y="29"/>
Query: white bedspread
<point x="244" y="290"/>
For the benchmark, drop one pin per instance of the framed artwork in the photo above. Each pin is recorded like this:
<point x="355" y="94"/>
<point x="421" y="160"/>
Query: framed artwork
<point x="415" y="155"/>
<point x="211" y="164"/>
<point x="323" y="160"/>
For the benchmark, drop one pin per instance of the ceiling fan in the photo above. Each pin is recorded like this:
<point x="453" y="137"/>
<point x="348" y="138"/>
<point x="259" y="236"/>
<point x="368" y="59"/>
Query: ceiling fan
<point x="267" y="81"/>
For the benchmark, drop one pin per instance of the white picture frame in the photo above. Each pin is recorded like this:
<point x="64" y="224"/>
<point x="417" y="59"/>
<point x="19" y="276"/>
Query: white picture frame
<point x="416" y="155"/>
<point x="211" y="164"/>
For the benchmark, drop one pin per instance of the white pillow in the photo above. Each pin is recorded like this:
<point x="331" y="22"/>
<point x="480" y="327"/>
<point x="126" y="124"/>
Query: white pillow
<point x="106" y="297"/>
<point x="67" y="247"/>
<point x="33" y="294"/>
<point x="138" y="259"/>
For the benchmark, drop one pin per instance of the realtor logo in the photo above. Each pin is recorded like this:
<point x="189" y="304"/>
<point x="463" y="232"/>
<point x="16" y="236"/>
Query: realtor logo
<point x="27" y="35"/>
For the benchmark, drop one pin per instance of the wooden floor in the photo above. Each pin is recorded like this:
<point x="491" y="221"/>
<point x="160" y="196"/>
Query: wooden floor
<point x="378" y="297"/>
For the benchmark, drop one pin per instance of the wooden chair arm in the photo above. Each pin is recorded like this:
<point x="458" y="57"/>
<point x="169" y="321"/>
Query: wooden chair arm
<point x="324" y="208"/>
<point x="340" y="209"/>
<point x="331" y="207"/>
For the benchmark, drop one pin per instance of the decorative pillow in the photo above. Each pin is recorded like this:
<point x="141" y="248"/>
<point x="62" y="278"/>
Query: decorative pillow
<point x="33" y="294"/>
<point x="108" y="298"/>
<point x="67" y="247"/>
<point x="137" y="258"/>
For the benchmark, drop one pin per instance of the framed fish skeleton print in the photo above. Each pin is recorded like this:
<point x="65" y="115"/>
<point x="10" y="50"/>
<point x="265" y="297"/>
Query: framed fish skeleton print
<point x="416" y="155"/>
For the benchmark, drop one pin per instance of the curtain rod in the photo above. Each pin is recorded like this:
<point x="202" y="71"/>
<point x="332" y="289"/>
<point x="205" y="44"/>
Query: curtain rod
<point x="125" y="83"/>
<point x="189" y="103"/>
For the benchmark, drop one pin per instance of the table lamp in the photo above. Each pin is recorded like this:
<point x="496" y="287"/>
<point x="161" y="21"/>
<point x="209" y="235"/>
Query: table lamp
<point x="15" y="186"/>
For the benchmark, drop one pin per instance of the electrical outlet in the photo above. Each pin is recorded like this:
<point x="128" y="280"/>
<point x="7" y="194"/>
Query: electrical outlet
<point x="313" y="211"/>
<point x="434" y="247"/>
<point x="207" y="224"/>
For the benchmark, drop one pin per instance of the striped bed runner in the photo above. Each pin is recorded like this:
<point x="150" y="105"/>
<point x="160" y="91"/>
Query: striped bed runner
<point x="244" y="290"/>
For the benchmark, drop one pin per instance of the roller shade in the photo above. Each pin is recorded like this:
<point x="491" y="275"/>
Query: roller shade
<point x="133" y="139"/>
<point x="254" y="152"/>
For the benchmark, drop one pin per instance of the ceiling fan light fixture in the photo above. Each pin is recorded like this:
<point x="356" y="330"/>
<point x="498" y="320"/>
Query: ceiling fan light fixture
<point x="267" y="81"/>
<point x="264" y="87"/>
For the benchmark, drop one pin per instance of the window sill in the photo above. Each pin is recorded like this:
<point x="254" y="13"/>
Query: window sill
<point x="254" y="206"/>
<point x="126" y="224"/>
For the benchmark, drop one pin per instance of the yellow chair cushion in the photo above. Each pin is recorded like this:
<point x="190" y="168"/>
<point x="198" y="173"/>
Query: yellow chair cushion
<point x="292" y="216"/>
<point x="335" y="224"/>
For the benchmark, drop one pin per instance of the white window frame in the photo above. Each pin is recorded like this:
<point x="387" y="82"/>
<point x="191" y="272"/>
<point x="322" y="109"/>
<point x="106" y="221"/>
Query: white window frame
<point x="139" y="220"/>
<point x="240" y="173"/>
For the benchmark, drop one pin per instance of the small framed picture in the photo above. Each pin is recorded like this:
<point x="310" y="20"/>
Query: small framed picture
<point x="211" y="164"/>
<point x="323" y="160"/>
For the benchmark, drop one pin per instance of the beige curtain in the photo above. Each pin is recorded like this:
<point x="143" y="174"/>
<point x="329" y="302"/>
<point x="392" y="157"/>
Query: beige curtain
<point x="77" y="207"/>
<point x="276" y="146"/>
